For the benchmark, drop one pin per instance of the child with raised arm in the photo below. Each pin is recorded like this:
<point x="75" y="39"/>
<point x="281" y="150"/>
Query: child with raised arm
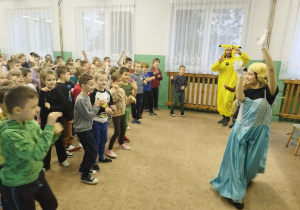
<point x="83" y="122"/>
<point x="156" y="82"/>
<point x="120" y="101"/>
<point x="100" y="120"/>
<point x="24" y="146"/>
<point x="180" y="83"/>
<point x="139" y="78"/>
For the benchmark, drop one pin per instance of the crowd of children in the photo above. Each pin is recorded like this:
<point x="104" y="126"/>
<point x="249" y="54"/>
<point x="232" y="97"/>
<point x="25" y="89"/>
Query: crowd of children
<point x="49" y="103"/>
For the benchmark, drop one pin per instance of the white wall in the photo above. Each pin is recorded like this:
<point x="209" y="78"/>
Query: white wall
<point x="151" y="27"/>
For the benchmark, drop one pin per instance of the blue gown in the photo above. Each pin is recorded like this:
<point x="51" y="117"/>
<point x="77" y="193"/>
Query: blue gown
<point x="246" y="151"/>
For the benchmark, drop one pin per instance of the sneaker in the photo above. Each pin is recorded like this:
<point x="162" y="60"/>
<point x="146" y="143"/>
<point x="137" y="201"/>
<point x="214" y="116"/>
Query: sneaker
<point x="152" y="113"/>
<point x="123" y="146"/>
<point x="90" y="172"/>
<point x="156" y="108"/>
<point x="230" y="126"/>
<point x="69" y="154"/>
<point x="65" y="164"/>
<point x="238" y="205"/>
<point x="146" y="110"/>
<point x="96" y="168"/>
<point x="226" y="121"/>
<point x="105" y="160"/>
<point x="221" y="121"/>
<point x="133" y="121"/>
<point x="89" y="180"/>
<point x="111" y="154"/>
<point x="182" y="115"/>
<point x="72" y="148"/>
<point x="128" y="128"/>
<point x="126" y="140"/>
<point x="138" y="122"/>
<point x="172" y="114"/>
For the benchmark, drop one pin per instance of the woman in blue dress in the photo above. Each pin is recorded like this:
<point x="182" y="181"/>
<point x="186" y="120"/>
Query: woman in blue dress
<point x="247" y="147"/>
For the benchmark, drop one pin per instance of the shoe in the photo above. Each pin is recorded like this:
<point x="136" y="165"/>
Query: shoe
<point x="126" y="140"/>
<point x="152" y="113"/>
<point x="123" y="146"/>
<point x="90" y="172"/>
<point x="226" y="121"/>
<point x="128" y="128"/>
<point x="96" y="168"/>
<point x="133" y="121"/>
<point x="89" y="180"/>
<point x="221" y="121"/>
<point x="156" y="108"/>
<point x="182" y="115"/>
<point x="72" y="148"/>
<point x="172" y="114"/>
<point x="111" y="154"/>
<point x="105" y="160"/>
<point x="239" y="205"/>
<point x="65" y="164"/>
<point x="230" y="126"/>
<point x="146" y="110"/>
<point x="69" y="154"/>
<point x="138" y="122"/>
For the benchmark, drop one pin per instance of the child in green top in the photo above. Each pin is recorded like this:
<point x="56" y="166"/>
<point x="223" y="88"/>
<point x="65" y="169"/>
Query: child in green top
<point x="24" y="146"/>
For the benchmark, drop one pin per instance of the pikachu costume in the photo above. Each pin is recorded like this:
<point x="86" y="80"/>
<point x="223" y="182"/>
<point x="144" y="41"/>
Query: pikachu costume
<point x="227" y="76"/>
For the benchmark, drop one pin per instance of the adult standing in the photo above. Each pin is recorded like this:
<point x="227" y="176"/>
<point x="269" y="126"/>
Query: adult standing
<point x="227" y="79"/>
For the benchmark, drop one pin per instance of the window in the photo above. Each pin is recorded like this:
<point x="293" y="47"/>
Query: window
<point x="197" y="30"/>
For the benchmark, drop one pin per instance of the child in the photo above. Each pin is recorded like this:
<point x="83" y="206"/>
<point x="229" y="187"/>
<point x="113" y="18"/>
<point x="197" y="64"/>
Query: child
<point x="155" y="83"/>
<point x="71" y="67"/>
<point x="77" y="89"/>
<point x="120" y="101"/>
<point x="140" y="80"/>
<point x="24" y="146"/>
<point x="3" y="76"/>
<point x="85" y="65"/>
<point x="67" y="119"/>
<point x="22" y="59"/>
<point x="130" y="89"/>
<point x="180" y="83"/>
<point x="83" y="121"/>
<point x="16" y="76"/>
<point x="97" y="62"/>
<point x="27" y="78"/>
<point x="51" y="100"/>
<point x="100" y="120"/>
<point x="128" y="64"/>
<point x="13" y="64"/>
<point x="70" y="60"/>
<point x="147" y="95"/>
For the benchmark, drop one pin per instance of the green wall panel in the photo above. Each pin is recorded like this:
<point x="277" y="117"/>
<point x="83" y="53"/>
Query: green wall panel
<point x="164" y="85"/>
<point x="66" y="54"/>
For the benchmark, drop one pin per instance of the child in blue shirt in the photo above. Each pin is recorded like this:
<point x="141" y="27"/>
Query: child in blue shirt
<point x="147" y="96"/>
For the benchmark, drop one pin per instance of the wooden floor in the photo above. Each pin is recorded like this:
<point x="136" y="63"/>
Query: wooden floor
<point x="169" y="167"/>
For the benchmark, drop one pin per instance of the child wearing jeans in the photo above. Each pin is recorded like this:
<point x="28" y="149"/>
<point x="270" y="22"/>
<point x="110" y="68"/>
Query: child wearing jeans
<point x="24" y="146"/>
<point x="180" y="83"/>
<point x="120" y="101"/>
<point x="100" y="120"/>
<point x="139" y="78"/>
<point x="83" y="122"/>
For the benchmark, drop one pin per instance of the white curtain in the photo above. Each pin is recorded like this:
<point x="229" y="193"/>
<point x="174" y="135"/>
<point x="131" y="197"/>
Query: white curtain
<point x="197" y="28"/>
<point x="290" y="65"/>
<point x="103" y="28"/>
<point x="26" y="26"/>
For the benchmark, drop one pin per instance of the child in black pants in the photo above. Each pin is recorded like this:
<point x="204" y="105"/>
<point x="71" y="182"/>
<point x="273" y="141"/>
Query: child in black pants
<point x="83" y="122"/>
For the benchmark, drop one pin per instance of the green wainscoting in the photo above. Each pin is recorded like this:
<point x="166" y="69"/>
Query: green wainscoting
<point x="66" y="55"/>
<point x="164" y="84"/>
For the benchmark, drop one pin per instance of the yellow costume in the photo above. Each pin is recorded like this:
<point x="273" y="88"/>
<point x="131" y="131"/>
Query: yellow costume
<point x="227" y="76"/>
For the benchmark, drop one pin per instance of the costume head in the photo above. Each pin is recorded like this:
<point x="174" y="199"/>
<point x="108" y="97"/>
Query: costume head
<point x="260" y="70"/>
<point x="231" y="47"/>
